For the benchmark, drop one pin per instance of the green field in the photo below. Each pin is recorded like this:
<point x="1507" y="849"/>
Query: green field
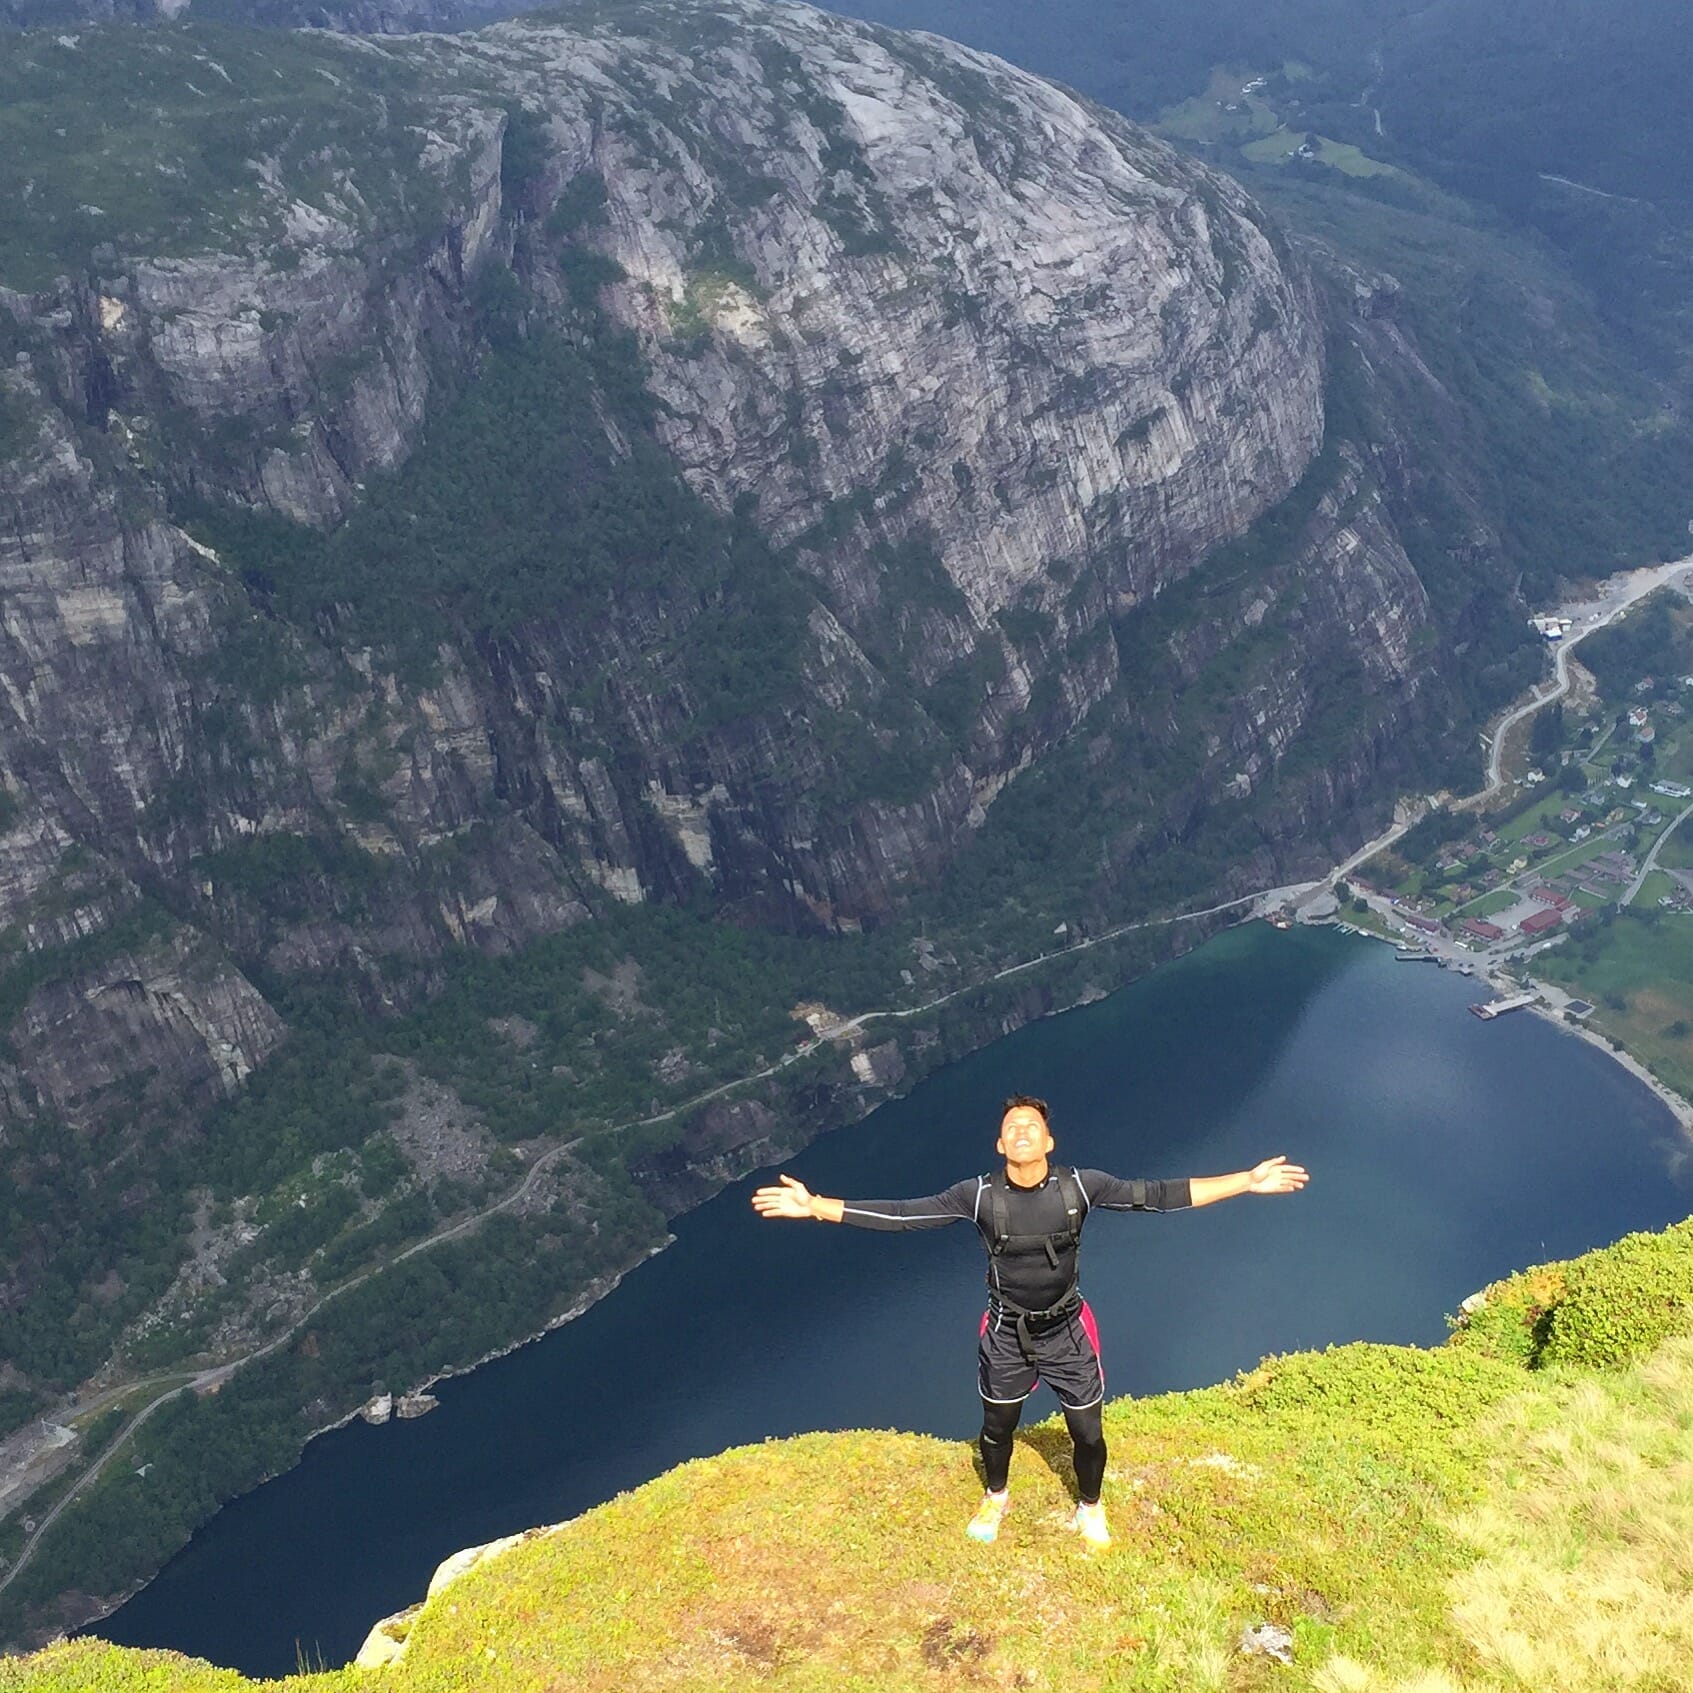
<point x="1352" y="161"/>
<point x="1535" y="817"/>
<point x="1580" y="853"/>
<point x="1638" y="971"/>
<point x="1499" y="900"/>
<point x="1677" y="851"/>
<point x="1656" y="886"/>
<point x="1203" y="119"/>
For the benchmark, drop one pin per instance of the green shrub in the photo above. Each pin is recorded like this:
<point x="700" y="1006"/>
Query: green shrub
<point x="1623" y="1301"/>
<point x="1599" y="1311"/>
<point x="1513" y="1320"/>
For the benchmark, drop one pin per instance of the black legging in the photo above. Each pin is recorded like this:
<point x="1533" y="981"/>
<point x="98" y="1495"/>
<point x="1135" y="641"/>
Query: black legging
<point x="999" y="1422"/>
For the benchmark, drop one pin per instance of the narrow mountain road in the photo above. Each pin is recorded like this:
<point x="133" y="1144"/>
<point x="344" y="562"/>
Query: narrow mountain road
<point x="1651" y="858"/>
<point x="1616" y="595"/>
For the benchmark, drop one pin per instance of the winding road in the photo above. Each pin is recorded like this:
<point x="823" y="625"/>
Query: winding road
<point x="1651" y="858"/>
<point x="1616" y="595"/>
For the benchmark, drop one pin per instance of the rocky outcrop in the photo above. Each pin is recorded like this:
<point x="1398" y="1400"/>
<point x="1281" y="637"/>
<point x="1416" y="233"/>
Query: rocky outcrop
<point x="174" y="1016"/>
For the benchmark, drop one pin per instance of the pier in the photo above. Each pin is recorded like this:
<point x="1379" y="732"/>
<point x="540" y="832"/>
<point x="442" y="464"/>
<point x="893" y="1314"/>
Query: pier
<point x="1498" y="1007"/>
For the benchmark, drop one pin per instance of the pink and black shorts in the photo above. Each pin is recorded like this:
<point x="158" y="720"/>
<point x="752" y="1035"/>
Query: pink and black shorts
<point x="1065" y="1357"/>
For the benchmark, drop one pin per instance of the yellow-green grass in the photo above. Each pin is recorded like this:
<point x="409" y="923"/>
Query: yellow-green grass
<point x="1368" y="921"/>
<point x="1533" y="817"/>
<point x="1648" y="966"/>
<point x="1501" y="899"/>
<point x="1445" y="1519"/>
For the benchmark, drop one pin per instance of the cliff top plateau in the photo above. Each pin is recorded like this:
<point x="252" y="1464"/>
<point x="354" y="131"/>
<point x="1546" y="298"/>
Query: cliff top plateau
<point x="1508" y="1510"/>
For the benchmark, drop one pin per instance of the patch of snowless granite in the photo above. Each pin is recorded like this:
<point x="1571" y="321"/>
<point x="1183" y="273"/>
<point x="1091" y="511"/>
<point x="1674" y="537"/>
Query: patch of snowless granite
<point x="1083" y="342"/>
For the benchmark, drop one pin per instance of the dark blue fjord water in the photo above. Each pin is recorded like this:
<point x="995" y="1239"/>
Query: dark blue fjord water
<point x="1444" y="1153"/>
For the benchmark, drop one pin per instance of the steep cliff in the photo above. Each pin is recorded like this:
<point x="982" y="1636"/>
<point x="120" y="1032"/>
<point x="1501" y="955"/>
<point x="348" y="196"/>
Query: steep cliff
<point x="990" y="366"/>
<point x="466" y="493"/>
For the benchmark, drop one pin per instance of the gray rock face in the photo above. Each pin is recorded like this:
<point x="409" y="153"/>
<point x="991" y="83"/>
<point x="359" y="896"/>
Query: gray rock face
<point x="202" y="1025"/>
<point x="1085" y="346"/>
<point x="988" y="366"/>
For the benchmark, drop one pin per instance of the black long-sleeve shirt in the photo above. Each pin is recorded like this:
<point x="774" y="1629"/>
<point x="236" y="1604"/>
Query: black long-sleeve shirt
<point x="1024" y="1278"/>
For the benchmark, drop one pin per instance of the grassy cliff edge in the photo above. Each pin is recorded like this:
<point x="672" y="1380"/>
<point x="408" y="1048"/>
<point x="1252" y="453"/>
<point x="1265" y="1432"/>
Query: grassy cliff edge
<point x="1511" y="1510"/>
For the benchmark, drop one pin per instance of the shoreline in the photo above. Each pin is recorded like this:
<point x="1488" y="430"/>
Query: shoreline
<point x="1250" y="909"/>
<point x="1677" y="1104"/>
<point x="595" y="1291"/>
<point x="1211" y="921"/>
<point x="1612" y="598"/>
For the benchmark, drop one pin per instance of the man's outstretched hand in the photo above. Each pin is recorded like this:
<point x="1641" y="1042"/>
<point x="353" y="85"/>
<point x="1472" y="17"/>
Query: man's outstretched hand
<point x="792" y="1199"/>
<point x="1274" y="1175"/>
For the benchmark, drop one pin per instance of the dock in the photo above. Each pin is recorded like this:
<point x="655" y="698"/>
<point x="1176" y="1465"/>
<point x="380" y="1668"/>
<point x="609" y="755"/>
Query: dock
<point x="1406" y="955"/>
<point x="1498" y="1007"/>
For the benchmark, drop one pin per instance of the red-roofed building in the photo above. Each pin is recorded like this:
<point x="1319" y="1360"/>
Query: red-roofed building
<point x="1540" y="922"/>
<point x="1482" y="929"/>
<point x="1546" y="896"/>
<point x="1426" y="924"/>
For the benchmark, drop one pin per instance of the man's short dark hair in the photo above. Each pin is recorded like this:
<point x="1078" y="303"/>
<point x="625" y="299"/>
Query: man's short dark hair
<point x="1033" y="1104"/>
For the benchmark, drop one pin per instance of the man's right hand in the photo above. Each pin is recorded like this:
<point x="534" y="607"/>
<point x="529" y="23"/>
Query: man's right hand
<point x="792" y="1199"/>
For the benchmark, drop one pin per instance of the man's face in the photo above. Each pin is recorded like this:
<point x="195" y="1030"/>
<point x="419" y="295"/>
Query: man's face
<point x="1023" y="1135"/>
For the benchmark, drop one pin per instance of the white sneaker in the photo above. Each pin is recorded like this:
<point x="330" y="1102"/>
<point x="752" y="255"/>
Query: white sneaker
<point x="1089" y="1522"/>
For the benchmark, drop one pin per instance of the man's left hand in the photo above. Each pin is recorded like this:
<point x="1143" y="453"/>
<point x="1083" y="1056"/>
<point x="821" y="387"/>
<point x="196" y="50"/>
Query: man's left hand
<point x="1276" y="1175"/>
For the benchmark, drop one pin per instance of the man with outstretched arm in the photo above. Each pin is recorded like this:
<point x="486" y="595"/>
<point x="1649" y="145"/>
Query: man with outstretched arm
<point x="1037" y="1326"/>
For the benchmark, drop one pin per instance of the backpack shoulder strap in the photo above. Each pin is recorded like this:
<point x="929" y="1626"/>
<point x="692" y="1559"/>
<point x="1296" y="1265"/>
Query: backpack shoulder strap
<point x="1075" y="1202"/>
<point x="998" y="1208"/>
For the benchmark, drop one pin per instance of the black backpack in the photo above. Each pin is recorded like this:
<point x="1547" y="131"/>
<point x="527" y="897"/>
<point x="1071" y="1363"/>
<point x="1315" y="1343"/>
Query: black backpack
<point x="1002" y="1239"/>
